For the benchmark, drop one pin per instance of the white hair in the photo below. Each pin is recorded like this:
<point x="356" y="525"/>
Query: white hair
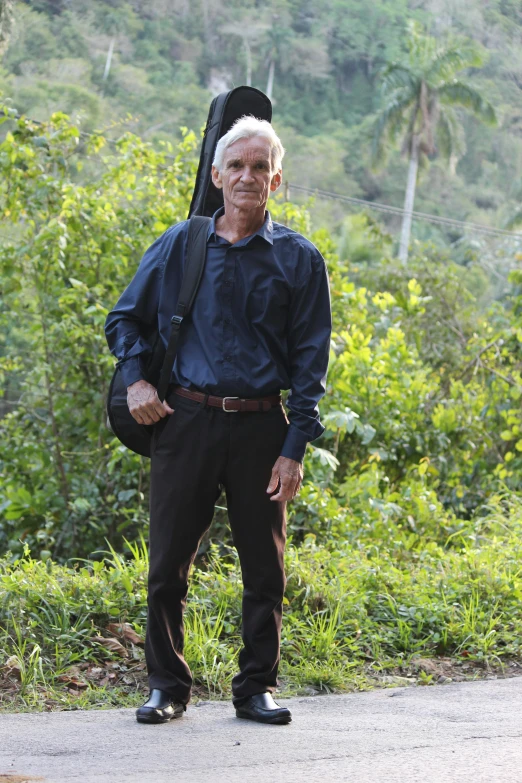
<point x="247" y="127"/>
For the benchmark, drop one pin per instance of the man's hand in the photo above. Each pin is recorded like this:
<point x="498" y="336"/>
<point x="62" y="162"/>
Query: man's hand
<point x="144" y="404"/>
<point x="290" y="474"/>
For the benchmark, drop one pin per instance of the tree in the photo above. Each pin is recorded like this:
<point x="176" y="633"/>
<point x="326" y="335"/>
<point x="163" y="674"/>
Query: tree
<point x="74" y="238"/>
<point x="276" y="44"/>
<point x="249" y="28"/>
<point x="6" y="20"/>
<point x="420" y="94"/>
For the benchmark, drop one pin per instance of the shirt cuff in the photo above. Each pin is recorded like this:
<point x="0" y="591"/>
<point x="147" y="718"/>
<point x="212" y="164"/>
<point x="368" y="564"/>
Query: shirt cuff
<point x="131" y="371"/>
<point x="294" y="446"/>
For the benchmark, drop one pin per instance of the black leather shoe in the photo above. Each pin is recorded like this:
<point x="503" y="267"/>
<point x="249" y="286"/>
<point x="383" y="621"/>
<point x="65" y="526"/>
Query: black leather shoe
<point x="159" y="708"/>
<point x="262" y="707"/>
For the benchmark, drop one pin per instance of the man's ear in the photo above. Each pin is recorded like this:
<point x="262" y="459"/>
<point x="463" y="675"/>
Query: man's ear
<point x="216" y="178"/>
<point x="276" y="181"/>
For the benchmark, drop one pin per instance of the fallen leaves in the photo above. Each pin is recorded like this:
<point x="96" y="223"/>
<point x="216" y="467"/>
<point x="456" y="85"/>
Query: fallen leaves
<point x="12" y="667"/>
<point x="127" y="632"/>
<point x="113" y="645"/>
<point x="72" y="678"/>
<point x="124" y="631"/>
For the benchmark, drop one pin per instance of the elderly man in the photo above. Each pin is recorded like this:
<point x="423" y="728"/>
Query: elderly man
<point x="261" y="322"/>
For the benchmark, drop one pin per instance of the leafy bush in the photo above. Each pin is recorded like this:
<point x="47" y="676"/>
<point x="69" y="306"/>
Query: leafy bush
<point x="355" y="609"/>
<point x="422" y="405"/>
<point x="405" y="538"/>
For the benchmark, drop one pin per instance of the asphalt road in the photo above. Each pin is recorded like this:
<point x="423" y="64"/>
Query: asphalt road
<point x="465" y="732"/>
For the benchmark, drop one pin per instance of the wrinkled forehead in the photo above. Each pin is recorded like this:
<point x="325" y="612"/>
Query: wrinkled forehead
<point x="255" y="149"/>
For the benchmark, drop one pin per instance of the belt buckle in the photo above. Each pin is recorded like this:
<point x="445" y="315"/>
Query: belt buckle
<point x="229" y="410"/>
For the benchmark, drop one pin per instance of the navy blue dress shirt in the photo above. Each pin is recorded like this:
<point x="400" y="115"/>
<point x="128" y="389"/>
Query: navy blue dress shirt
<point x="260" y="323"/>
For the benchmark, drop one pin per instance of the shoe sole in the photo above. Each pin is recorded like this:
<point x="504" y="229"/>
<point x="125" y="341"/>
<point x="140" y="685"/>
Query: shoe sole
<point x="156" y="719"/>
<point x="279" y="721"/>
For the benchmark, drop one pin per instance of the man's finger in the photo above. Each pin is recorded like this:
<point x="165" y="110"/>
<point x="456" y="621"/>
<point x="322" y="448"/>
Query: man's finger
<point x="285" y="491"/>
<point x="273" y="481"/>
<point x="136" y="416"/>
<point x="281" y="496"/>
<point x="149" y="414"/>
<point x="159" y="409"/>
<point x="147" y="418"/>
<point x="162" y="408"/>
<point x="296" y="490"/>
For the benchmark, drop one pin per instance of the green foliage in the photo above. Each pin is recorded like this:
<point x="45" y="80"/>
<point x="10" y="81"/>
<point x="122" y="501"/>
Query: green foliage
<point x="353" y="612"/>
<point x="169" y="59"/>
<point x="422" y="405"/>
<point x="76" y="239"/>
<point x="404" y="540"/>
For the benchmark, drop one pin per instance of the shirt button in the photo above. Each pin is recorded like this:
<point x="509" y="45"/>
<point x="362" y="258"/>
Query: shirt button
<point x="228" y="357"/>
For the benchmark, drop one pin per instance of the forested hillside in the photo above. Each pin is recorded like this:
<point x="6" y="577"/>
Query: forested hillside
<point x="153" y="67"/>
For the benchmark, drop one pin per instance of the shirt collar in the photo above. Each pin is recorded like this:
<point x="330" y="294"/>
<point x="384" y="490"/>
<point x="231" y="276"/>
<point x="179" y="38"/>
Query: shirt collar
<point x="265" y="232"/>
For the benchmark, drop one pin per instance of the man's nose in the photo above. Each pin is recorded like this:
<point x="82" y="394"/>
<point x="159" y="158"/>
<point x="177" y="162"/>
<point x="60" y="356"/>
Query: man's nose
<point x="247" y="175"/>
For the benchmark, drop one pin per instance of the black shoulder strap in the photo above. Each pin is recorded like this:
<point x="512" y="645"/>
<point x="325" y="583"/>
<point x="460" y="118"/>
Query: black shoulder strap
<point x="194" y="265"/>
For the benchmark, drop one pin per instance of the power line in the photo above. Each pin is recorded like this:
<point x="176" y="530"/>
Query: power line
<point x="39" y="393"/>
<point x="400" y="211"/>
<point x="375" y="205"/>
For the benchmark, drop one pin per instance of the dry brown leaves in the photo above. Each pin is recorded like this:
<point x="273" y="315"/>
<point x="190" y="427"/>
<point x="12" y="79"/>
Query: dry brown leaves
<point x="127" y="632"/>
<point x="12" y="668"/>
<point x="113" y="645"/>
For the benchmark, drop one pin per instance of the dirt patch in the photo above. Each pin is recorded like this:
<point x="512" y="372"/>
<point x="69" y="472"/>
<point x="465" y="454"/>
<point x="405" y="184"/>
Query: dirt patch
<point x="120" y="683"/>
<point x="7" y="778"/>
<point x="429" y="671"/>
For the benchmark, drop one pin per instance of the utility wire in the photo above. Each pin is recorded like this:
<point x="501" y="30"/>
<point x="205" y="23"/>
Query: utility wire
<point x="385" y="208"/>
<point x="375" y="205"/>
<point x="399" y="211"/>
<point x="35" y="395"/>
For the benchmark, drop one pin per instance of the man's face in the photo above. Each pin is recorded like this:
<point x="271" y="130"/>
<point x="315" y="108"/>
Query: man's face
<point x="246" y="176"/>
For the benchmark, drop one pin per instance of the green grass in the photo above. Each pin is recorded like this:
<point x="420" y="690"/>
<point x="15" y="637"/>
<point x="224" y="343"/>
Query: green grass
<point x="356" y="614"/>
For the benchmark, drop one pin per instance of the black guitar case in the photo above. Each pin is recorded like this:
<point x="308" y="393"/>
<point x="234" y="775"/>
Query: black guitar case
<point x="225" y="109"/>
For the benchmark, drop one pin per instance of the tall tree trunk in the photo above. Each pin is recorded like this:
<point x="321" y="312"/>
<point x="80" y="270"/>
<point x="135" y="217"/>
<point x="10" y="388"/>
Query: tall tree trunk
<point x="248" y="57"/>
<point x="108" y="61"/>
<point x="6" y="22"/>
<point x="408" y="200"/>
<point x="270" y="82"/>
<point x="209" y="34"/>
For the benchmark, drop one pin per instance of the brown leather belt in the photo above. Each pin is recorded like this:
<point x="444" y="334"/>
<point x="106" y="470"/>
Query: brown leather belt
<point x="230" y="404"/>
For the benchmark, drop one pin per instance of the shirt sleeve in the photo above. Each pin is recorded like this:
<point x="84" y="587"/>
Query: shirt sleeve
<point x="309" y="333"/>
<point x="136" y="309"/>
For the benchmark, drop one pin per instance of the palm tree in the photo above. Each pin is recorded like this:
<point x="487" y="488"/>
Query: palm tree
<point x="420" y="94"/>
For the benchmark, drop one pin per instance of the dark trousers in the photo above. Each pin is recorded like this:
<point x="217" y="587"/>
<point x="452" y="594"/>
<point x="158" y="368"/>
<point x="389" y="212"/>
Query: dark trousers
<point x="194" y="451"/>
